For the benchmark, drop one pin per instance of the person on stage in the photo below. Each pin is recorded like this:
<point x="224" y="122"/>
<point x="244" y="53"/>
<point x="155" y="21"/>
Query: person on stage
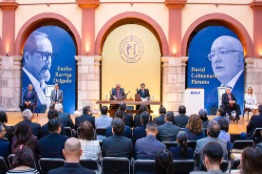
<point x="56" y="96"/>
<point x="144" y="95"/>
<point x="29" y="99"/>
<point x="118" y="93"/>
<point x="250" y="99"/>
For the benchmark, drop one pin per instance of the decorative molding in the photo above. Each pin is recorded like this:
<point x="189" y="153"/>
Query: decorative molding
<point x="6" y="5"/>
<point x="256" y="4"/>
<point x="88" y="3"/>
<point x="175" y="3"/>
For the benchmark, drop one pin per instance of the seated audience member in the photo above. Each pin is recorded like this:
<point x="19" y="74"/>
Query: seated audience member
<point x="137" y="122"/>
<point x="128" y="118"/>
<point x="251" y="161"/>
<point x="5" y="146"/>
<point x="224" y="126"/>
<point x="9" y="131"/>
<point x="87" y="116"/>
<point x="181" y="119"/>
<point x="221" y="114"/>
<point x="168" y="131"/>
<point x="23" y="136"/>
<point x="140" y="132"/>
<point x="182" y="151"/>
<point x="51" y="145"/>
<point x="72" y="153"/>
<point x="117" y="145"/>
<point x="127" y="131"/>
<point x="90" y="147"/>
<point x="213" y="130"/>
<point x="24" y="161"/>
<point x="194" y="128"/>
<point x="27" y="119"/>
<point x="203" y="116"/>
<point x="104" y="120"/>
<point x="29" y="99"/>
<point x="50" y="115"/>
<point x="164" y="162"/>
<point x="160" y="120"/>
<point x="258" y="141"/>
<point x="64" y="117"/>
<point x="212" y="158"/>
<point x="148" y="147"/>
<point x="250" y="99"/>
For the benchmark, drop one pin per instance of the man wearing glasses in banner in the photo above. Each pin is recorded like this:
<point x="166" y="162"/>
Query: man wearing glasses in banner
<point x="227" y="60"/>
<point x="37" y="62"/>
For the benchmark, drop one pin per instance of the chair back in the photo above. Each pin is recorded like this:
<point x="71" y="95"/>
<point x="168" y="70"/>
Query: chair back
<point x="234" y="164"/>
<point x="68" y="131"/>
<point x="115" y="165"/>
<point x="101" y="131"/>
<point x="144" y="166"/>
<point x="241" y="144"/>
<point x="10" y="159"/>
<point x="192" y="144"/>
<point x="3" y="165"/>
<point x="170" y="144"/>
<point x="90" y="164"/>
<point x="257" y="135"/>
<point x="47" y="164"/>
<point x="183" y="166"/>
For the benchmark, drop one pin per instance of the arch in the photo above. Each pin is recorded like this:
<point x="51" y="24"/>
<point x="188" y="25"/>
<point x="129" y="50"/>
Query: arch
<point x="225" y="20"/>
<point x="41" y="19"/>
<point x="114" y="22"/>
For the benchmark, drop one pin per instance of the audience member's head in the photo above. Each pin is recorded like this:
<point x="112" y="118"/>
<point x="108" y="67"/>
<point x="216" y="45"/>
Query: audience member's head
<point x="27" y="115"/>
<point x="203" y="114"/>
<point x="213" y="129"/>
<point x="164" y="162"/>
<point x="118" y="126"/>
<point x="59" y="107"/>
<point x="3" y="117"/>
<point x="86" y="131"/>
<point x="103" y="110"/>
<point x="194" y="124"/>
<point x="162" y="110"/>
<point x="223" y="123"/>
<point x="23" y="157"/>
<point x="181" y="139"/>
<point x="142" y="108"/>
<point x="144" y="117"/>
<point x="2" y="130"/>
<point x="122" y="107"/>
<point x="52" y="113"/>
<point x="260" y="109"/>
<point x="182" y="109"/>
<point x="212" y="155"/>
<point x="72" y="150"/>
<point x="87" y="110"/>
<point x="221" y="112"/>
<point x="119" y="114"/>
<point x="151" y="128"/>
<point x="251" y="161"/>
<point x="169" y="116"/>
<point x="54" y="125"/>
<point x="255" y="110"/>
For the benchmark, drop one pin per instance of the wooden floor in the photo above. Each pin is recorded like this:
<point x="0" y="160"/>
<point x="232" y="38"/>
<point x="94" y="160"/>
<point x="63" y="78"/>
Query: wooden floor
<point x="15" y="117"/>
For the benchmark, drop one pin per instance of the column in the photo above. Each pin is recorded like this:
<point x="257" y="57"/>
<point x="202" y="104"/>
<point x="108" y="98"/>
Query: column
<point x="173" y="82"/>
<point x="88" y="91"/>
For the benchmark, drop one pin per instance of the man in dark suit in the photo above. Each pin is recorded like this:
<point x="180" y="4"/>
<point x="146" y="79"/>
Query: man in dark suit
<point x="181" y="119"/>
<point x="118" y="93"/>
<point x="72" y="153"/>
<point x="56" y="96"/>
<point x="168" y="131"/>
<point x="117" y="145"/>
<point x="87" y="116"/>
<point x="229" y="103"/>
<point x="140" y="132"/>
<point x="144" y="95"/>
<point x="51" y="146"/>
<point x="160" y="120"/>
<point x="29" y="99"/>
<point x="128" y="118"/>
<point x="149" y="146"/>
<point x="255" y="122"/>
<point x="5" y="145"/>
<point x="64" y="117"/>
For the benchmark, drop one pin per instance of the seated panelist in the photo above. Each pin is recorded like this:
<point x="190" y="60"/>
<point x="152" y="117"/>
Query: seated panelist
<point x="144" y="93"/>
<point x="29" y="99"/>
<point x="118" y="93"/>
<point x="56" y="96"/>
<point x="250" y="99"/>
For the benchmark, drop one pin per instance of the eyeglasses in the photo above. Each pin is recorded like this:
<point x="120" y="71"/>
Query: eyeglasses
<point x="220" y="52"/>
<point x="44" y="55"/>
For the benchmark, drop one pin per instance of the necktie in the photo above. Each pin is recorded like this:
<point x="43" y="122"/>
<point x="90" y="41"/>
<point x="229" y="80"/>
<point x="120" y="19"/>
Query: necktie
<point x="55" y="95"/>
<point x="229" y="97"/>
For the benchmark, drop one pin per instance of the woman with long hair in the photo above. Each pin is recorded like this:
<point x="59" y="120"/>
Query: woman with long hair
<point x="164" y="162"/>
<point x="250" y="99"/>
<point x="194" y="128"/>
<point x="251" y="161"/>
<point x="141" y="109"/>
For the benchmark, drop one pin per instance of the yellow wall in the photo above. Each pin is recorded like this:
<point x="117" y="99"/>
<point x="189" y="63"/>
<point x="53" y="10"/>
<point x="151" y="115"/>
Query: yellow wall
<point x="130" y="75"/>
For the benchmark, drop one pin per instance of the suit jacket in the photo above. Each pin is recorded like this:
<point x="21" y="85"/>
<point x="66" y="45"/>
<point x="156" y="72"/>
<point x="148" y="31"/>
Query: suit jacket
<point x="122" y="92"/>
<point x="167" y="132"/>
<point x="208" y="172"/>
<point x="255" y="122"/>
<point x="35" y="127"/>
<point x="127" y="132"/>
<point x="139" y="132"/>
<point x="181" y="120"/>
<point x="145" y="94"/>
<point x="225" y="100"/>
<point x="128" y="119"/>
<point x="51" y="146"/>
<point x="148" y="147"/>
<point x="66" y="120"/>
<point x="117" y="146"/>
<point x="44" y="130"/>
<point x="30" y="96"/>
<point x="71" y="168"/>
<point x="160" y="120"/>
<point x="60" y="97"/>
<point x="85" y="117"/>
<point x="5" y="147"/>
<point x="176" y="152"/>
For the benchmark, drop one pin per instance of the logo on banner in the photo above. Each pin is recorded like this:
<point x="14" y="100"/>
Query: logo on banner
<point x="131" y="49"/>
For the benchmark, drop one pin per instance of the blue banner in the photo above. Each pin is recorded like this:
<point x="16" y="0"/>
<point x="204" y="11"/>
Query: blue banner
<point x="216" y="59"/>
<point x="48" y="58"/>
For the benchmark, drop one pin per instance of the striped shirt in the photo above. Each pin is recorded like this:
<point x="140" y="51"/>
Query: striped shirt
<point x="91" y="149"/>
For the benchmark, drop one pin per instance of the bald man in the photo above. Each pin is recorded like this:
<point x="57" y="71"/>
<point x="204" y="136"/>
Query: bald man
<point x="72" y="153"/>
<point x="118" y="93"/>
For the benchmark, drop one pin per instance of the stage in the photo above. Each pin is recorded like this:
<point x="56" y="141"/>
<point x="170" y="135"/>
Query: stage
<point x="15" y="117"/>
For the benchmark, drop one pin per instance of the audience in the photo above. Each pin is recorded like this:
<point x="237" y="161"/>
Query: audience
<point x="164" y="162"/>
<point x="194" y="128"/>
<point x="64" y="117"/>
<point x="168" y="131"/>
<point x="9" y="131"/>
<point x="147" y="147"/>
<point x="23" y="161"/>
<point x="103" y="121"/>
<point x="51" y="145"/>
<point x="72" y="152"/>
<point x="203" y="116"/>
<point x="5" y="146"/>
<point x="117" y="145"/>
<point x="128" y="118"/>
<point x="141" y="109"/>
<point x="224" y="126"/>
<point x="182" y="151"/>
<point x="251" y="161"/>
<point x="160" y="120"/>
<point x="87" y="116"/>
<point x="140" y="132"/>
<point x="181" y="119"/>
<point x="90" y="147"/>
<point x="221" y="114"/>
